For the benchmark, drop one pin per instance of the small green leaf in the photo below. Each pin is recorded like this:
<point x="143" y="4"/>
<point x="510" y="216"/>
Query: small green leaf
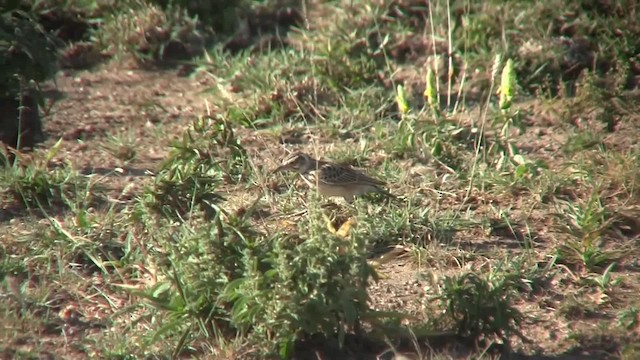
<point x="436" y="148"/>
<point x="521" y="170"/>
<point x="53" y="151"/>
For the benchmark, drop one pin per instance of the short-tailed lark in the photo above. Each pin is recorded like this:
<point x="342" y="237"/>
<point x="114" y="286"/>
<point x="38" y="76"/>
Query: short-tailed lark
<point x="331" y="179"/>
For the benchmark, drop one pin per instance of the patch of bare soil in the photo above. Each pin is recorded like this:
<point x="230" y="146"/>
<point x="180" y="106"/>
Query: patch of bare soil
<point x="149" y="109"/>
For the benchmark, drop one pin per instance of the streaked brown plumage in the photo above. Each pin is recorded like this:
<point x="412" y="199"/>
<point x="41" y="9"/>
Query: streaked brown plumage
<point x="331" y="179"/>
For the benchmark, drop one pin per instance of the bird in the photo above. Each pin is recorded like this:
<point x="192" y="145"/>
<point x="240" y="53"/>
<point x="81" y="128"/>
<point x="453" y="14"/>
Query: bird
<point x="331" y="179"/>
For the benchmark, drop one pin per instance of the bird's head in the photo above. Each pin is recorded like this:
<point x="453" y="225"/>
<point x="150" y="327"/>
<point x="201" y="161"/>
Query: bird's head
<point x="298" y="162"/>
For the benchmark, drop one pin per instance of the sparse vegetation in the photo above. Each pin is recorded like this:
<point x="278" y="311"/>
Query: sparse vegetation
<point x="149" y="224"/>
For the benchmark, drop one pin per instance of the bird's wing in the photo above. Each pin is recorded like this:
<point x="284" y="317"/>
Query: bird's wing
<point x="337" y="174"/>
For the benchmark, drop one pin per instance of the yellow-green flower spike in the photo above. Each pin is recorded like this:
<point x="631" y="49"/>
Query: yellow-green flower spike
<point x="401" y="98"/>
<point x="507" y="85"/>
<point x="430" y="90"/>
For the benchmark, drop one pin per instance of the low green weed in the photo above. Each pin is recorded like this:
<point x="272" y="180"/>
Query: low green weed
<point x="225" y="278"/>
<point x="33" y="183"/>
<point x="588" y="224"/>
<point x="480" y="305"/>
<point x="208" y="154"/>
